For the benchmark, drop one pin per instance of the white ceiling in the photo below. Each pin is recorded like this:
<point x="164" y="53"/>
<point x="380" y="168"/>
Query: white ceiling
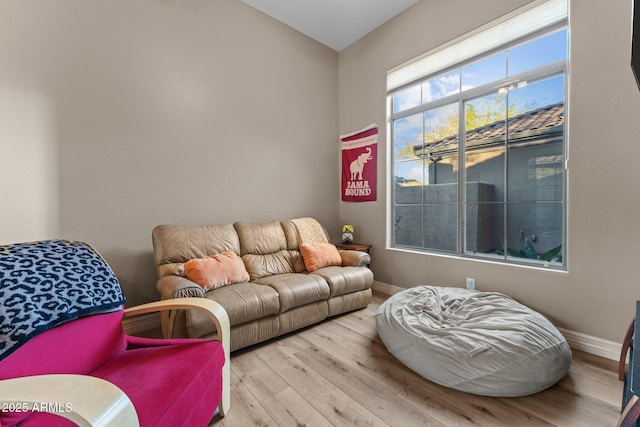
<point x="335" y="23"/>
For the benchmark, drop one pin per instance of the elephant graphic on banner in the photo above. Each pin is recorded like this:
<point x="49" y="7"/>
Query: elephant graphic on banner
<point x="357" y="166"/>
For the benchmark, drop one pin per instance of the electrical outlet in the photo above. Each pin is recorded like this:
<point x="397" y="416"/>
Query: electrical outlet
<point x="471" y="283"/>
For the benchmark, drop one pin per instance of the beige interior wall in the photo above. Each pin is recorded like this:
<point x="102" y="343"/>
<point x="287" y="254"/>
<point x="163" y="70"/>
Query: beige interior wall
<point x="597" y="295"/>
<point x="120" y="115"/>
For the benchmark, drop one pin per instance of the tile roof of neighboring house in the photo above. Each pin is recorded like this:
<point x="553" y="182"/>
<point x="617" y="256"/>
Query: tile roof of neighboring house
<point x="532" y="125"/>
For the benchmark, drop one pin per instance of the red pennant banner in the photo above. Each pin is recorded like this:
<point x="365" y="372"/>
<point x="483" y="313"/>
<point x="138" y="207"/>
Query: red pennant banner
<point x="359" y="165"/>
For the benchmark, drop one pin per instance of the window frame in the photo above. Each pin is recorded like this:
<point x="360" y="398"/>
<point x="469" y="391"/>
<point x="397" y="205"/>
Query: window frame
<point x="544" y="72"/>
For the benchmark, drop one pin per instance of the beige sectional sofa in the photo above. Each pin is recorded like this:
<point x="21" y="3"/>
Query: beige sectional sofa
<point x="280" y="296"/>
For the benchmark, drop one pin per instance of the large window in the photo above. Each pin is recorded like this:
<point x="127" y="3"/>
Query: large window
<point x="478" y="160"/>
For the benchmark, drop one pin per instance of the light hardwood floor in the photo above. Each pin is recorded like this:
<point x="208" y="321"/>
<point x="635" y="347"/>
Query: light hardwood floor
<point x="338" y="373"/>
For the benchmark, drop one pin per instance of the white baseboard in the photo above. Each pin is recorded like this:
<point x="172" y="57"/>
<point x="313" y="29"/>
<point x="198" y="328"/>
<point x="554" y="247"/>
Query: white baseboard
<point x="593" y="345"/>
<point x="576" y="340"/>
<point x="386" y="288"/>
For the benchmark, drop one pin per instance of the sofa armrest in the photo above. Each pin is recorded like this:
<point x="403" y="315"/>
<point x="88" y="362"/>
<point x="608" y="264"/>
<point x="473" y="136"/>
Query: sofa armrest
<point x="351" y="258"/>
<point x="178" y="287"/>
<point x="219" y="316"/>
<point x="87" y="401"/>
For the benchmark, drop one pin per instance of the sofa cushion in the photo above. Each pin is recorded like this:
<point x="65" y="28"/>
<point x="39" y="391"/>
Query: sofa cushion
<point x="300" y="317"/>
<point x="243" y="302"/>
<point x="216" y="271"/>
<point x="260" y="239"/>
<point x="293" y="246"/>
<point x="264" y="249"/>
<point x="254" y="332"/>
<point x="318" y="255"/>
<point x="177" y="244"/>
<point x="344" y="280"/>
<point x="267" y="265"/>
<point x="348" y="302"/>
<point x="297" y="289"/>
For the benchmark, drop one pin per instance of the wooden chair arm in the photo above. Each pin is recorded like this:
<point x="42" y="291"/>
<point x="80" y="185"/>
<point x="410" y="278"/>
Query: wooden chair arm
<point x="85" y="400"/>
<point x="625" y="349"/>
<point x="630" y="414"/>
<point x="219" y="317"/>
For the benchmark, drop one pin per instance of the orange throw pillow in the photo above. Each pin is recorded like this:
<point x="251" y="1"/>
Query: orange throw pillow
<point x="318" y="255"/>
<point x="216" y="271"/>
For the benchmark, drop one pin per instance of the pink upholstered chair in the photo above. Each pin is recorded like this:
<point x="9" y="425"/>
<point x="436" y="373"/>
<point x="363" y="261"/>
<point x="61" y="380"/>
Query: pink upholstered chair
<point x="64" y="355"/>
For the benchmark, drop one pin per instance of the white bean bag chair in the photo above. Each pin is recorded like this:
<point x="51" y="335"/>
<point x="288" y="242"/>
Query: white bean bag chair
<point x="483" y="343"/>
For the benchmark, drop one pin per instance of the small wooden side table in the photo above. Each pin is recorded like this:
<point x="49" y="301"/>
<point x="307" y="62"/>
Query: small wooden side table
<point x="354" y="247"/>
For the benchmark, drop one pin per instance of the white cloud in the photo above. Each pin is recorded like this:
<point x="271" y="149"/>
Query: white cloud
<point x="407" y="98"/>
<point x="441" y="86"/>
<point x="409" y="125"/>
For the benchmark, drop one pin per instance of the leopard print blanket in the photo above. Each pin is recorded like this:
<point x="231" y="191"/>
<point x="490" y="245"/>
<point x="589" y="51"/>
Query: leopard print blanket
<point x="46" y="283"/>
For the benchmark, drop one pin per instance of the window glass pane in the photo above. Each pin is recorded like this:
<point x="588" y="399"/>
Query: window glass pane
<point x="407" y="226"/>
<point x="441" y="123"/>
<point x="481" y="207"/>
<point x="407" y="98"/>
<point x="488" y="70"/>
<point x="443" y="192"/>
<point x="485" y="141"/>
<point x="483" y="202"/>
<point x="441" y="86"/>
<point x="526" y="97"/>
<point x="485" y="224"/>
<point x="487" y="167"/>
<point x="409" y="178"/>
<point x="536" y="53"/>
<point x="484" y="119"/>
<point x="441" y="226"/>
<point x="485" y="136"/>
<point x="536" y="142"/>
<point x="442" y="144"/>
<point x="484" y="171"/>
<point x="536" y="173"/>
<point x="534" y="231"/>
<point x="407" y="137"/>
<point x="441" y="195"/>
